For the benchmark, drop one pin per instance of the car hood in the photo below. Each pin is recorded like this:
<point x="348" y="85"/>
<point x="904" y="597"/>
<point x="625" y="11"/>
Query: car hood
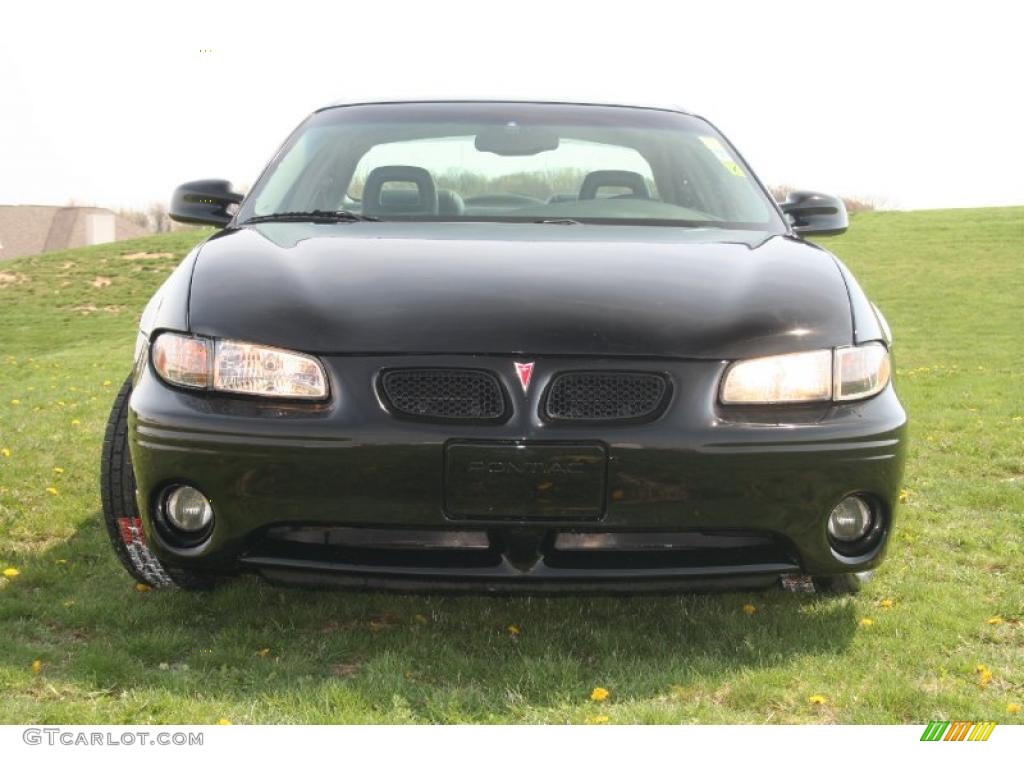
<point x="482" y="288"/>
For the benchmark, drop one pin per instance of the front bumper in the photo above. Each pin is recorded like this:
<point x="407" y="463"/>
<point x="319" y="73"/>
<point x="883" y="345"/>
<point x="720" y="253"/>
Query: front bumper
<point x="760" y="481"/>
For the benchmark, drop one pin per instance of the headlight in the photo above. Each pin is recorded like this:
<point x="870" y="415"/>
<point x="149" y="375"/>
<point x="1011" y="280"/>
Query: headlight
<point x="256" y="370"/>
<point x="847" y="373"/>
<point x="798" y="378"/>
<point x="234" y="366"/>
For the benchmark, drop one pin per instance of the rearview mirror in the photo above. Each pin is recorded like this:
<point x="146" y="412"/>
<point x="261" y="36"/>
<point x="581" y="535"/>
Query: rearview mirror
<point x="514" y="140"/>
<point x="814" y="213"/>
<point x="204" y="202"/>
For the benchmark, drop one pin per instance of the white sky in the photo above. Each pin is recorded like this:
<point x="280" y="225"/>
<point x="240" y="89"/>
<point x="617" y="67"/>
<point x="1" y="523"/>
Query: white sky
<point x="918" y="105"/>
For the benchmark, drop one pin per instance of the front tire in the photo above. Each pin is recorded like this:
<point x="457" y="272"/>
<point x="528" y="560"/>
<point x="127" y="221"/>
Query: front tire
<point x="121" y="512"/>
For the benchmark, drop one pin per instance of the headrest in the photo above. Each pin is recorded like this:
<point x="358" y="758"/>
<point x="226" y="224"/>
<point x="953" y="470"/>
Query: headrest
<point x="450" y="203"/>
<point x="421" y="201"/>
<point x="595" y="180"/>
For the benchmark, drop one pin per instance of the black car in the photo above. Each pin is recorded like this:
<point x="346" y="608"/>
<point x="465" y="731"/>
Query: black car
<point x="506" y="346"/>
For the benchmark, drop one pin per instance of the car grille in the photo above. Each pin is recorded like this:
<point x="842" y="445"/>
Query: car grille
<point x="605" y="396"/>
<point x="487" y="558"/>
<point x="444" y="393"/>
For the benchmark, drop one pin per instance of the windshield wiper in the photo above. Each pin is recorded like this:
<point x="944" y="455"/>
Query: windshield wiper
<point x="557" y="221"/>
<point x="315" y="216"/>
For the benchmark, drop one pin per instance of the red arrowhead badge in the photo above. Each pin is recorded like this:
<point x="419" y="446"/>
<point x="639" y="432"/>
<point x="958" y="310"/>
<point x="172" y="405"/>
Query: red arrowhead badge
<point x="525" y="372"/>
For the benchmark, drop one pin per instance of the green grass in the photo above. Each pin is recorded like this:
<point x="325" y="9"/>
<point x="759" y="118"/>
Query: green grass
<point x="952" y="286"/>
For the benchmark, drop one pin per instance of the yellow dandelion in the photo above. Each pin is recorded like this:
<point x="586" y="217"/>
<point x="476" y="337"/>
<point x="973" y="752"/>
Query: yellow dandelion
<point x="51" y="490"/>
<point x="1012" y="708"/>
<point x="106" y="383"/>
<point x="58" y="470"/>
<point x="37" y="666"/>
<point x="75" y="422"/>
<point x="513" y="629"/>
<point x="904" y="495"/>
<point x="866" y="622"/>
<point x="749" y="609"/>
<point x="599" y="694"/>
<point x="984" y="675"/>
<point x="5" y="452"/>
<point x="263" y="653"/>
<point x="995" y="620"/>
<point x="817" y="699"/>
<point x="886" y="603"/>
<point x="596" y="720"/>
<point x="223" y="721"/>
<point x="15" y="401"/>
<point x="419" y="618"/>
<point x="12" y="573"/>
<point x="140" y="587"/>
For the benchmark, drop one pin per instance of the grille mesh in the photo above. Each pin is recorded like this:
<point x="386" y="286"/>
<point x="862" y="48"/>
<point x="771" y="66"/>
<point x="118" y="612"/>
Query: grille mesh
<point x="444" y="393"/>
<point x="605" y="396"/>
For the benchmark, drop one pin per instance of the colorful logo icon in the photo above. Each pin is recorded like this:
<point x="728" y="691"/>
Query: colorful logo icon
<point x="958" y="730"/>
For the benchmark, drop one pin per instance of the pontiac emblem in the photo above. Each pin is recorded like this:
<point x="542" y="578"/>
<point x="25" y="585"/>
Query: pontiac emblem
<point x="525" y="372"/>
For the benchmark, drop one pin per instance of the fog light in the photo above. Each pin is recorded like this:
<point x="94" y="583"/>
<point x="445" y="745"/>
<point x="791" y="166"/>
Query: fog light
<point x="850" y="520"/>
<point x="187" y="509"/>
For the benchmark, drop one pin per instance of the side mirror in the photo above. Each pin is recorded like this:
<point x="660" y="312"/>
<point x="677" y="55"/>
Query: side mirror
<point x="204" y="202"/>
<point x="814" y="213"/>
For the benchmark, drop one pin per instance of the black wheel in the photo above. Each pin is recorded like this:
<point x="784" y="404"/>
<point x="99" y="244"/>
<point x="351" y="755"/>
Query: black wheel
<point x="121" y="514"/>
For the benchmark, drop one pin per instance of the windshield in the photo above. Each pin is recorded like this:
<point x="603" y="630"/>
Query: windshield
<point x="513" y="162"/>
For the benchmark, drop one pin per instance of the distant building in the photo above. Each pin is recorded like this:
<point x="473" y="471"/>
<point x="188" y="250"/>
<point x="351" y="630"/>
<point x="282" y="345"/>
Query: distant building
<point x="26" y="230"/>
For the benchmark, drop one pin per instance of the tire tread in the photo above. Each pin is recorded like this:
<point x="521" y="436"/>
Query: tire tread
<point x="117" y="493"/>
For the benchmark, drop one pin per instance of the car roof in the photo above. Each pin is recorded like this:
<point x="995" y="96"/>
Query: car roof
<point x="367" y="102"/>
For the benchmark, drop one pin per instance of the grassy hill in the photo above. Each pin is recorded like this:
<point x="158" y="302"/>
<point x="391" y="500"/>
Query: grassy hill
<point x="937" y="634"/>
